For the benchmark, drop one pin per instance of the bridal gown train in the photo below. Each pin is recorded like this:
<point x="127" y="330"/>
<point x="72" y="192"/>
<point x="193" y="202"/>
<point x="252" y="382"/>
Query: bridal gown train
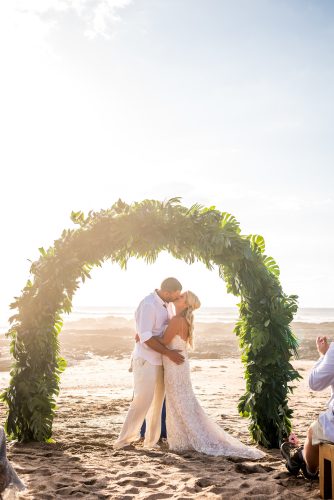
<point x="188" y="426"/>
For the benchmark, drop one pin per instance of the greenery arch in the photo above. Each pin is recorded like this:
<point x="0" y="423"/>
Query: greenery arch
<point x="142" y="230"/>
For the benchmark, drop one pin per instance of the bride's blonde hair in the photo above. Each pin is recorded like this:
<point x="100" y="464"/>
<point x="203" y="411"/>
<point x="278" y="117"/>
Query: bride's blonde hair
<point x="193" y="303"/>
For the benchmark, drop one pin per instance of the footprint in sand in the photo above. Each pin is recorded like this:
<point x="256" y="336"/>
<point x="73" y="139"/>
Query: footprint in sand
<point x="250" y="468"/>
<point x="204" y="482"/>
<point x="89" y="482"/>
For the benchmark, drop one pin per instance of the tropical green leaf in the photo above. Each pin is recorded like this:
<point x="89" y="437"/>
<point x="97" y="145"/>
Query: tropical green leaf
<point x="271" y="265"/>
<point x="257" y="240"/>
<point x="143" y="230"/>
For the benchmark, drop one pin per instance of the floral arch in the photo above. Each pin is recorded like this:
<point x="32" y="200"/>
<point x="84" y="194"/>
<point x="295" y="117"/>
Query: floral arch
<point x="142" y="230"/>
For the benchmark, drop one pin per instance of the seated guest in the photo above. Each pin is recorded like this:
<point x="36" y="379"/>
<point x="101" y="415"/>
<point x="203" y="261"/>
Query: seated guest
<point x="306" y="458"/>
<point x="9" y="480"/>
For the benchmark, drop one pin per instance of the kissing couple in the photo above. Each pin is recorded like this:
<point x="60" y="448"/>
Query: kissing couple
<point x="165" y="324"/>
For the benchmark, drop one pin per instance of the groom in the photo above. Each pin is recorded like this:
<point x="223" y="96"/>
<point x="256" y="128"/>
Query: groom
<point x="152" y="316"/>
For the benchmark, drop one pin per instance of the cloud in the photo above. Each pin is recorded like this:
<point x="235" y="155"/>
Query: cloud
<point x="100" y="20"/>
<point x="98" y="17"/>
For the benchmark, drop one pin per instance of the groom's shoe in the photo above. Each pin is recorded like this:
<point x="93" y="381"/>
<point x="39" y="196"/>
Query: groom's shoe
<point x="126" y="447"/>
<point x="151" y="447"/>
<point x="119" y="445"/>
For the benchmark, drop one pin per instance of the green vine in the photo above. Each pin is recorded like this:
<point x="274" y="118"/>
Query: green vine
<point x="142" y="230"/>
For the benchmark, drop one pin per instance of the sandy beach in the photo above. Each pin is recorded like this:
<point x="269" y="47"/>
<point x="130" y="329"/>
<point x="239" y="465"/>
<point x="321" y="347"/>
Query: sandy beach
<point x="95" y="393"/>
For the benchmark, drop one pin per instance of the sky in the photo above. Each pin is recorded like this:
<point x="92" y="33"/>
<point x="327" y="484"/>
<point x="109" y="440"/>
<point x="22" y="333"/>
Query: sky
<point x="218" y="102"/>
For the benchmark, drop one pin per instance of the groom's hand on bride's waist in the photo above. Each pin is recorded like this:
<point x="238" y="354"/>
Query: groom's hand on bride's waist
<point x="175" y="356"/>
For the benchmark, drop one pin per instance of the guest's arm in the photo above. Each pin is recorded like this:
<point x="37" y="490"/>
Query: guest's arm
<point x="322" y="374"/>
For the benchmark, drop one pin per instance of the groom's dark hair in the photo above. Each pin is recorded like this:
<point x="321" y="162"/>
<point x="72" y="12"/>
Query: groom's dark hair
<point x="170" y="285"/>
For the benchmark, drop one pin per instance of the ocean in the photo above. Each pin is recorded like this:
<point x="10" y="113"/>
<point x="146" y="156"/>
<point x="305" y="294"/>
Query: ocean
<point x="203" y="315"/>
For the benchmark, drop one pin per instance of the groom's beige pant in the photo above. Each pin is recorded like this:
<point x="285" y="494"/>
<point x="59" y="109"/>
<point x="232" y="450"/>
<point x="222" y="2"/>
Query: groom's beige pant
<point x="148" y="396"/>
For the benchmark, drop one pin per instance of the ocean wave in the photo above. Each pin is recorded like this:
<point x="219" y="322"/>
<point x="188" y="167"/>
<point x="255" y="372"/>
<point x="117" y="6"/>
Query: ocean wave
<point x="223" y="315"/>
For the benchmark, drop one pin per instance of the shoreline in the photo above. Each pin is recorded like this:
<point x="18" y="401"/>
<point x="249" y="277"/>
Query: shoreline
<point x="114" y="337"/>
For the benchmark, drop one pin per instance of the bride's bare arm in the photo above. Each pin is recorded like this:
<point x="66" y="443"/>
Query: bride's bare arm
<point x="176" y="326"/>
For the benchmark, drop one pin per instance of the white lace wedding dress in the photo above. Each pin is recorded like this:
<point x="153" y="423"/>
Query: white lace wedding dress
<point x="188" y="426"/>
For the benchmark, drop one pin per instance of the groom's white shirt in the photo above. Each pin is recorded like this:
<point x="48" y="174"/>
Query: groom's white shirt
<point x="152" y="316"/>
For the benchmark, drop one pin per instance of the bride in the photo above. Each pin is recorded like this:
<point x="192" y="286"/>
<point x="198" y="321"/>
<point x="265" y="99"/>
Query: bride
<point x="188" y="426"/>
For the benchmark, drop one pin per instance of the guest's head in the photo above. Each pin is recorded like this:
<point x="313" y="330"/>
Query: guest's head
<point x="170" y="289"/>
